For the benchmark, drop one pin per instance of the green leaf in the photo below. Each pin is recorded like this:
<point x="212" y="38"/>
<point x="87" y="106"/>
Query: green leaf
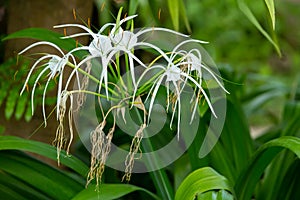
<point x="44" y="178"/>
<point x="182" y="167"/>
<point x="277" y="181"/>
<point x="246" y="10"/>
<point x="289" y="187"/>
<point x="3" y="93"/>
<point x="109" y="192"/>
<point x="184" y="16"/>
<point x="10" y="193"/>
<point x="200" y="181"/>
<point x="159" y="177"/>
<point x="271" y="8"/>
<point x="46" y="35"/>
<point x="213" y="195"/>
<point x="11" y="103"/>
<point x="248" y="179"/>
<point x="20" y="187"/>
<point x="118" y="19"/>
<point x="133" y="4"/>
<point x="234" y="147"/>
<point x="28" y="112"/>
<point x="174" y="12"/>
<point x="21" y="106"/>
<point x="15" y="143"/>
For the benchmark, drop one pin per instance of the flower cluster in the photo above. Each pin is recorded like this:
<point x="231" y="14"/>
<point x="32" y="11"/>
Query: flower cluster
<point x="174" y="69"/>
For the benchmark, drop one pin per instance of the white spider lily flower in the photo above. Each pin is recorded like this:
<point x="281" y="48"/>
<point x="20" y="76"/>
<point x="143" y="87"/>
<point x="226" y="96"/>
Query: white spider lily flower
<point x="193" y="60"/>
<point x="105" y="60"/>
<point x="195" y="65"/>
<point x="100" y="42"/>
<point x="117" y="41"/>
<point x="55" y="65"/>
<point x="125" y="39"/>
<point x="100" y="46"/>
<point x="171" y="74"/>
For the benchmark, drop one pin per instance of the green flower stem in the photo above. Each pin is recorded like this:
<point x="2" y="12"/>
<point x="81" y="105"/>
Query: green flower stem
<point x="148" y="84"/>
<point x="159" y="177"/>
<point x="84" y="72"/>
<point x="93" y="93"/>
<point x="113" y="71"/>
<point x="129" y="85"/>
<point x="92" y="78"/>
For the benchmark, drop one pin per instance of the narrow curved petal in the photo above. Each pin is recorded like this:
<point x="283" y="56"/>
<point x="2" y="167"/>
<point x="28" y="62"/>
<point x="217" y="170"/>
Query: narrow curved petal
<point x="41" y="43"/>
<point x="159" y="29"/>
<point x="76" y="25"/>
<point x="31" y="70"/>
<point x="34" y="86"/>
<point x="203" y="92"/>
<point x="154" y="95"/>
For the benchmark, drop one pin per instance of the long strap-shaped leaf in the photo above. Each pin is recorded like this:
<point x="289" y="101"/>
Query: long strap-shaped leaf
<point x="246" y="182"/>
<point x="15" y="143"/>
<point x="46" y="35"/>
<point x="43" y="178"/>
<point x="200" y="181"/>
<point x="177" y="10"/>
<point x="271" y="8"/>
<point x="109" y="192"/>
<point x="246" y="10"/>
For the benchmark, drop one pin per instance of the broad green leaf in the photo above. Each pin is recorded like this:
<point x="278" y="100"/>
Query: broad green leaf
<point x="248" y="179"/>
<point x="291" y="119"/>
<point x="159" y="177"/>
<point x="109" y="192"/>
<point x="44" y="178"/>
<point x="224" y="195"/>
<point x="234" y="147"/>
<point x="246" y="10"/>
<point x="20" y="187"/>
<point x="276" y="181"/>
<point x="46" y="35"/>
<point x="274" y="176"/>
<point x="289" y="187"/>
<point x="213" y="195"/>
<point x="182" y="167"/>
<point x="200" y="181"/>
<point x="15" y="143"/>
<point x="10" y="193"/>
<point x="174" y="12"/>
<point x="271" y="8"/>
